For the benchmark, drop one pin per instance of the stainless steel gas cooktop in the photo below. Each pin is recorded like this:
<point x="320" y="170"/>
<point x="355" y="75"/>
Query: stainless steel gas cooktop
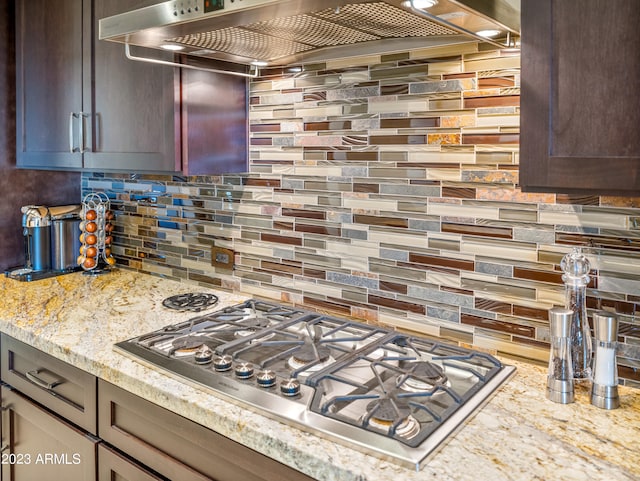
<point x="391" y="395"/>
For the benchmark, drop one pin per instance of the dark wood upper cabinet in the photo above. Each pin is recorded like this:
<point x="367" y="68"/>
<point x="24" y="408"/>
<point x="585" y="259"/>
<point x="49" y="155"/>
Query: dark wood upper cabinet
<point x="82" y="105"/>
<point x="134" y="123"/>
<point x="49" y="78"/>
<point x="580" y="101"/>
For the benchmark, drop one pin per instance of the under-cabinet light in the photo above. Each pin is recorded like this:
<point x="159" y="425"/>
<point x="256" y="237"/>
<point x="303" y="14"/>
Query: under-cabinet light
<point x="424" y="4"/>
<point x="488" y="33"/>
<point x="172" y="46"/>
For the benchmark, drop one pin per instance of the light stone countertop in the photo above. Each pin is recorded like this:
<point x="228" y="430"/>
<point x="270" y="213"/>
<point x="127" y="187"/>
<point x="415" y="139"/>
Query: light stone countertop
<point x="518" y="435"/>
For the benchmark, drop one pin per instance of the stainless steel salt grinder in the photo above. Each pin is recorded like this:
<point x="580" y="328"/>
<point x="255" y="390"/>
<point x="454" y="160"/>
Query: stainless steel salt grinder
<point x="560" y="378"/>
<point x="604" y="390"/>
<point x="575" y="266"/>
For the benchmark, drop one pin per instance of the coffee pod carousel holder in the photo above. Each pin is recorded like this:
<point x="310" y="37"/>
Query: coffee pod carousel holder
<point x="96" y="234"/>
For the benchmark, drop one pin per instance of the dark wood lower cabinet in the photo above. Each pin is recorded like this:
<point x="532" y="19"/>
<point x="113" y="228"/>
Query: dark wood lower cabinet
<point x="176" y="447"/>
<point x="61" y="423"/>
<point x="64" y="389"/>
<point x="38" y="445"/>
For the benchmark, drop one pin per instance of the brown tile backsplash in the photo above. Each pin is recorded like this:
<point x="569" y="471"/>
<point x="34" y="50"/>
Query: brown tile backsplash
<point x="389" y="192"/>
<point x="385" y="221"/>
<point x="410" y="123"/>
<point x="439" y="261"/>
<point x="281" y="239"/>
<point x="490" y="138"/>
<point x="312" y="126"/>
<point x="306" y="214"/>
<point x="478" y="230"/>
<point x="500" y="326"/>
<point x="496" y="82"/>
<point x="497" y="101"/>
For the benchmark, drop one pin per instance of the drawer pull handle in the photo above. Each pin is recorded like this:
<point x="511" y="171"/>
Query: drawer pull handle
<point x="32" y="376"/>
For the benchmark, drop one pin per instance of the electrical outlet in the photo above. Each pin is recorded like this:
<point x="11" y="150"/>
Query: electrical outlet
<point x="221" y="257"/>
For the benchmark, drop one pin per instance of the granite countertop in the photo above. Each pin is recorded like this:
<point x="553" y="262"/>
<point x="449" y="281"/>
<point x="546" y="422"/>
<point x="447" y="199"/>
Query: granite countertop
<point x="518" y="435"/>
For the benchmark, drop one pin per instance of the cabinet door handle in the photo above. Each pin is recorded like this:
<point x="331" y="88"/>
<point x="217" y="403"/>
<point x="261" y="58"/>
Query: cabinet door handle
<point x="83" y="147"/>
<point x="32" y="376"/>
<point x="72" y="115"/>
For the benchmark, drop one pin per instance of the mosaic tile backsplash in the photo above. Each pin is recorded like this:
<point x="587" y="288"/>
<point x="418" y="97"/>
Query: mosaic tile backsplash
<point x="388" y="191"/>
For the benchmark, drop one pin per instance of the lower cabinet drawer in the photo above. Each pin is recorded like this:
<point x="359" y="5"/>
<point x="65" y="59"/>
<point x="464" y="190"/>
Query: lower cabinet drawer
<point x="178" y="448"/>
<point x="112" y="465"/>
<point x="37" y="444"/>
<point x="63" y="388"/>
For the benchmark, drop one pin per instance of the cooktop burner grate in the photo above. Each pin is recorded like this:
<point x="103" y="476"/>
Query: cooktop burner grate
<point x="191" y="301"/>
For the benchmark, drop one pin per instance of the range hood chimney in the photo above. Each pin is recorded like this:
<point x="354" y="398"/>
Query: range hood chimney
<point x="287" y="32"/>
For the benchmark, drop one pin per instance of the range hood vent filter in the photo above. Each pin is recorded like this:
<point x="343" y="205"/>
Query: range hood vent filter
<point x="288" y="32"/>
<point x="282" y="37"/>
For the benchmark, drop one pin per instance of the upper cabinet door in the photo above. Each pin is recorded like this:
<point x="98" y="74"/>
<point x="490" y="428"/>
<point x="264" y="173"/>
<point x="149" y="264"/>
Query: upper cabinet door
<point x="135" y="123"/>
<point x="81" y="104"/>
<point x="49" y="75"/>
<point x="580" y="101"/>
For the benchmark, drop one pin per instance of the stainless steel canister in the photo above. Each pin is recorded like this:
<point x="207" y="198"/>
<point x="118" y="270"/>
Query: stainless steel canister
<point x="36" y="225"/>
<point x="65" y="240"/>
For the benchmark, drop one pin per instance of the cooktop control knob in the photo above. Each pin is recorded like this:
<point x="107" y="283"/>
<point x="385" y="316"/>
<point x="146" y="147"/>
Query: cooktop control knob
<point x="290" y="387"/>
<point x="266" y="378"/>
<point x="244" y="370"/>
<point x="204" y="355"/>
<point x="222" y="363"/>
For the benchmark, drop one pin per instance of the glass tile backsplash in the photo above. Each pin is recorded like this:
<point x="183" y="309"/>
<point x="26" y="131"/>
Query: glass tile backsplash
<point x="388" y="190"/>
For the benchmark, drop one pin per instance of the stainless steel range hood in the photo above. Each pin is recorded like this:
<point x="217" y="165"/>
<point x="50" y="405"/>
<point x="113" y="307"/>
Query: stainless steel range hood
<point x="285" y="32"/>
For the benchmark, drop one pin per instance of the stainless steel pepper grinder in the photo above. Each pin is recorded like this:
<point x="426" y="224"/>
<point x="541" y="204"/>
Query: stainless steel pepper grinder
<point x="604" y="390"/>
<point x="560" y="379"/>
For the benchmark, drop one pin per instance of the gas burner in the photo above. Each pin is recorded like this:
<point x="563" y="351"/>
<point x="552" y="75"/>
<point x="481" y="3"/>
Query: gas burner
<point x="194" y="302"/>
<point x="385" y="413"/>
<point x="422" y="376"/>
<point x="408" y="428"/>
<point x="310" y="353"/>
<point x="255" y="322"/>
<point x="251" y="325"/>
<point x="187" y="345"/>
